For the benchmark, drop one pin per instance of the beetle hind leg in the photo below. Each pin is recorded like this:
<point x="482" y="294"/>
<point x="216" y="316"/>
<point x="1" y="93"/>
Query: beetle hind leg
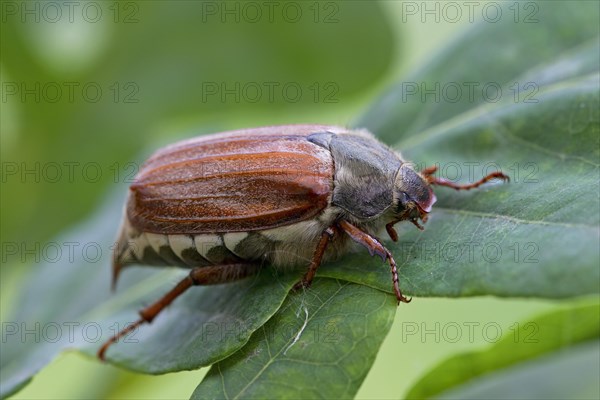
<point x="198" y="276"/>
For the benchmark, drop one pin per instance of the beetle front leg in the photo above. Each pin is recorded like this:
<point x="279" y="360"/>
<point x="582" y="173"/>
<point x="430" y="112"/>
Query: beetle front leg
<point x="198" y="276"/>
<point x="316" y="260"/>
<point x="428" y="172"/>
<point x="375" y="248"/>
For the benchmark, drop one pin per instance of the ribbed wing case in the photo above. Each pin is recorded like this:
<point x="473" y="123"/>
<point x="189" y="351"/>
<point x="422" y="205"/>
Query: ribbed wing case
<point x="233" y="182"/>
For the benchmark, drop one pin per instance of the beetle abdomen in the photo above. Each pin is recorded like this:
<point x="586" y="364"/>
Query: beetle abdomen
<point x="289" y="245"/>
<point x="186" y="250"/>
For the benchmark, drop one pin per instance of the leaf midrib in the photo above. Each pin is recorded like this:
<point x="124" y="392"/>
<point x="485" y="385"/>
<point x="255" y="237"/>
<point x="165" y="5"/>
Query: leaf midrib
<point x="271" y="357"/>
<point x="517" y="220"/>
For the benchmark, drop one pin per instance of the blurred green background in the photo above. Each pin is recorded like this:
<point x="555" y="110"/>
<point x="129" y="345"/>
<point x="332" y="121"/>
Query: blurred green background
<point x="92" y="87"/>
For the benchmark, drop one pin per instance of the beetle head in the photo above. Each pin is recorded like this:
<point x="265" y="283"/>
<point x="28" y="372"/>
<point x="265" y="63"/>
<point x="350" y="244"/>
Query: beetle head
<point x="414" y="197"/>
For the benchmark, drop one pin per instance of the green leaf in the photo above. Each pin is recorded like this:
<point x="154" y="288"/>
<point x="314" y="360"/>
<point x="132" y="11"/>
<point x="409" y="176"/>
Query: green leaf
<point x="557" y="338"/>
<point x="212" y="323"/>
<point x="571" y="374"/>
<point x="559" y="41"/>
<point x="54" y="296"/>
<point x="162" y="59"/>
<point x="206" y="325"/>
<point x="513" y="239"/>
<point x="330" y="333"/>
<point x="536" y="236"/>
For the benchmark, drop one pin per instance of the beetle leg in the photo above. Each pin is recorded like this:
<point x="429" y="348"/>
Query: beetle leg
<point x="198" y="276"/>
<point x="427" y="174"/>
<point x="316" y="260"/>
<point x="391" y="231"/>
<point x="375" y="248"/>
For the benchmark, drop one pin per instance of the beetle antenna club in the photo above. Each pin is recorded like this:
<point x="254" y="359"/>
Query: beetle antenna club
<point x="222" y="204"/>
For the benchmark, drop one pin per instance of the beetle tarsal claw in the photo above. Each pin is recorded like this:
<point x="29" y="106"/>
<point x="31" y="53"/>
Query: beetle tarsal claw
<point x="114" y="339"/>
<point x="373" y="251"/>
<point x="416" y="223"/>
<point x="116" y="270"/>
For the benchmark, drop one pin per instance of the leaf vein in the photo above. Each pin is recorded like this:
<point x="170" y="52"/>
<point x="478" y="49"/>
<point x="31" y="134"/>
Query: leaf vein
<point x="516" y="220"/>
<point x="272" y="359"/>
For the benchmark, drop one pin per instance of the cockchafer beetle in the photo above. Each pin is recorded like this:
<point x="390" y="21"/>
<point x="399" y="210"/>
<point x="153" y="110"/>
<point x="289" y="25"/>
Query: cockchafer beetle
<point x="223" y="204"/>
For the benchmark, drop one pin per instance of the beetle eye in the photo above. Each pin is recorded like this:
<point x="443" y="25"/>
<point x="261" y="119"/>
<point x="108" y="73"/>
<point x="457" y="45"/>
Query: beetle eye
<point x="403" y="201"/>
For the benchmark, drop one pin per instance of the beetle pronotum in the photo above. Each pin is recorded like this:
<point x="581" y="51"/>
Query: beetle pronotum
<point x="224" y="204"/>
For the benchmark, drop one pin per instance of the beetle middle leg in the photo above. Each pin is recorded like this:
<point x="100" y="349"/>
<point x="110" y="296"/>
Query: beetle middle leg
<point x="375" y="248"/>
<point x="316" y="260"/>
<point x="428" y="172"/>
<point x="198" y="276"/>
